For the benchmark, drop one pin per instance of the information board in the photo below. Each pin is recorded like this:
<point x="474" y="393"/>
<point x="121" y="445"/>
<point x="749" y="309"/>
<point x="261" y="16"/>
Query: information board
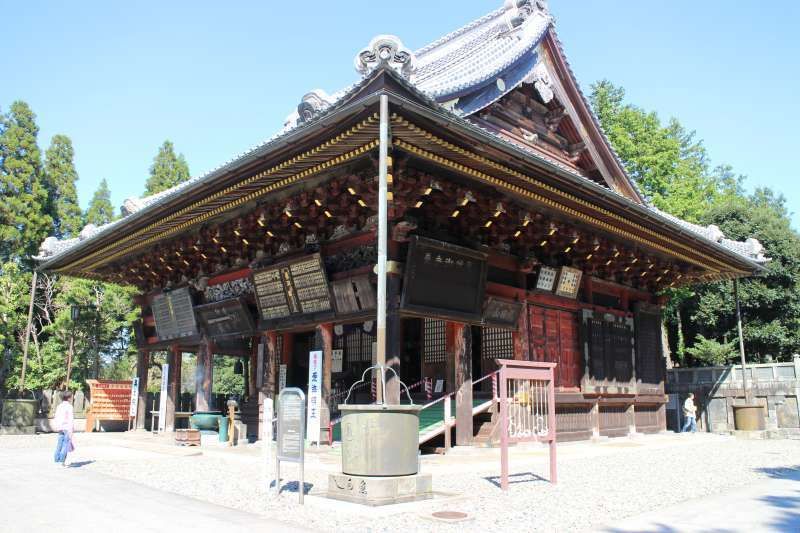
<point x="226" y="318"/>
<point x="314" y="416"/>
<point x="291" y="434"/>
<point x="291" y="422"/>
<point x="501" y="313"/>
<point x="174" y="314"/>
<point x="292" y="288"/>
<point x="444" y="280"/>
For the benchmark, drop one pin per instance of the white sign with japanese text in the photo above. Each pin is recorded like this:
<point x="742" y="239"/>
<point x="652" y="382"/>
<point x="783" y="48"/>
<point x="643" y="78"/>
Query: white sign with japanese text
<point x="134" y="407"/>
<point x="337" y="356"/>
<point x="313" y="415"/>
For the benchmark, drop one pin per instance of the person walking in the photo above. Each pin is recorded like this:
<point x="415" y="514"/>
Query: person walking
<point x="690" y="412"/>
<point x="63" y="423"/>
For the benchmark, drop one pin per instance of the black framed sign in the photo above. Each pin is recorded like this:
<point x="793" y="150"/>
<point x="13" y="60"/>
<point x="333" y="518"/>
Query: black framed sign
<point x="174" y="314"/>
<point x="298" y="287"/>
<point x="442" y="279"/>
<point x="226" y="318"/>
<point x="501" y="313"/>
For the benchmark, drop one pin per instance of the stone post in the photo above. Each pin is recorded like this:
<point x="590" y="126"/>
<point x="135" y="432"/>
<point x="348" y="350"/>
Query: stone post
<point x="204" y="376"/>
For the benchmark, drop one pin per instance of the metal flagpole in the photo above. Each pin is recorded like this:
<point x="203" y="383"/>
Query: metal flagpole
<point x="383" y="156"/>
<point x="28" y="332"/>
<point x="745" y="385"/>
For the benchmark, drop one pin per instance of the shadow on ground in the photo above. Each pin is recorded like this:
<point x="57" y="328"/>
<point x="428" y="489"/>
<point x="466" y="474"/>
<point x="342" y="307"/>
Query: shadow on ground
<point x="789" y="516"/>
<point x="78" y="464"/>
<point x="522" y="477"/>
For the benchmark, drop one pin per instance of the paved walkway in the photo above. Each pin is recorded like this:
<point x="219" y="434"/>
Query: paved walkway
<point x="772" y="505"/>
<point x="36" y="495"/>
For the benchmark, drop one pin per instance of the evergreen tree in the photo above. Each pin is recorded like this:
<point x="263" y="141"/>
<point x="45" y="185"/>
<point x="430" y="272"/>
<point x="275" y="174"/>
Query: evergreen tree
<point x="100" y="209"/>
<point x="167" y="170"/>
<point x="667" y="162"/>
<point x="24" y="221"/>
<point x="60" y="175"/>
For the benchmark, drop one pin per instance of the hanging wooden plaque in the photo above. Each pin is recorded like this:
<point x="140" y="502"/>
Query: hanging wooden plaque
<point x="174" y="315"/>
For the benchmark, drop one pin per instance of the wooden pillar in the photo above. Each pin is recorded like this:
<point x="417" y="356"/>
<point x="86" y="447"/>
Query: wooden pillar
<point x="174" y="387"/>
<point x="142" y="367"/>
<point x="271" y="361"/>
<point x="252" y="371"/>
<point x="394" y="346"/>
<point x="204" y="376"/>
<point x="459" y="337"/>
<point x="520" y="336"/>
<point x="323" y="340"/>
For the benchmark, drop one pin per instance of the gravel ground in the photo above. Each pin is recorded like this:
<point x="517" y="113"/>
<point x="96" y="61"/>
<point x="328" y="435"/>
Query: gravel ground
<point x="598" y="483"/>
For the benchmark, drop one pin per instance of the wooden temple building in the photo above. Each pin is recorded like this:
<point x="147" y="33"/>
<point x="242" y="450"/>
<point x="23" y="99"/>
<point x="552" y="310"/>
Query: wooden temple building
<point x="513" y="232"/>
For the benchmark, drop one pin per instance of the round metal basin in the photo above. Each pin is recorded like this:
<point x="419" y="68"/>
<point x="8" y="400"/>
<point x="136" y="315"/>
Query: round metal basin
<point x="380" y="440"/>
<point x="748" y="417"/>
<point x="206" y="420"/>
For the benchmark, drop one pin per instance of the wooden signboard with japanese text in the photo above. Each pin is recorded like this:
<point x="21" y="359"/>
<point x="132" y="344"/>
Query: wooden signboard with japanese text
<point x="227" y="318"/>
<point x="444" y="280"/>
<point x="174" y="315"/>
<point x="501" y="313"/>
<point x="110" y="400"/>
<point x="292" y="289"/>
<point x="354" y="295"/>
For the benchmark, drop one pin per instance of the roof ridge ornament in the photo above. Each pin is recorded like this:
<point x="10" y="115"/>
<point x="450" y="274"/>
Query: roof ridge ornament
<point x="311" y="104"/>
<point x="385" y="50"/>
<point x="518" y="11"/>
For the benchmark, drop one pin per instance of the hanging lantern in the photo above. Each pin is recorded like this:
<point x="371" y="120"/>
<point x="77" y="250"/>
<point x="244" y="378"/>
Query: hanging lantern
<point x="238" y="367"/>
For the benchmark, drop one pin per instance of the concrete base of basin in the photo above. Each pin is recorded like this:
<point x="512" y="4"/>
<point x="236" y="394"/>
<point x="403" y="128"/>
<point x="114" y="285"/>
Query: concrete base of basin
<point x="379" y="490"/>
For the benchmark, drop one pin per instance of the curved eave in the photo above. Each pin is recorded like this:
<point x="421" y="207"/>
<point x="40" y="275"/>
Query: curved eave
<point x="622" y="204"/>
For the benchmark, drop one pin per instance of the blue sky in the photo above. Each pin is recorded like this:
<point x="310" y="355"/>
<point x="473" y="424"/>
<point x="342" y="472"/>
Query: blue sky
<point x="216" y="80"/>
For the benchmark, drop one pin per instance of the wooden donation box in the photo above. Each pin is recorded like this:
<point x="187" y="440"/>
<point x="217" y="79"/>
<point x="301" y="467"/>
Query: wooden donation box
<point x="110" y="400"/>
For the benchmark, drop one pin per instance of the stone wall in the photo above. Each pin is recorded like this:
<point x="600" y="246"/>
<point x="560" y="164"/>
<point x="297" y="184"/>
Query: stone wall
<point x="775" y="386"/>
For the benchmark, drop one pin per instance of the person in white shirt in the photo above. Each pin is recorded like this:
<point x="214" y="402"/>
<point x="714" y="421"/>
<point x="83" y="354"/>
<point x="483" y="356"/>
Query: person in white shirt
<point x="690" y="412"/>
<point x="63" y="423"/>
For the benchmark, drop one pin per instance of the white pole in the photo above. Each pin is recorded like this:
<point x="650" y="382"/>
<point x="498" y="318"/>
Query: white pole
<point x="383" y="223"/>
<point x="266" y="436"/>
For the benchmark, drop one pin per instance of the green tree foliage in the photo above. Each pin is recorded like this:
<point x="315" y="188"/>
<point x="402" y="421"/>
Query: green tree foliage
<point x="667" y="162"/>
<point x="14" y="286"/>
<point x="100" y="210"/>
<point x="60" y="177"/>
<point x="24" y="221"/>
<point x="37" y="201"/>
<point x="225" y="380"/>
<point x="712" y="352"/>
<point x="167" y="170"/>
<point x="672" y="168"/>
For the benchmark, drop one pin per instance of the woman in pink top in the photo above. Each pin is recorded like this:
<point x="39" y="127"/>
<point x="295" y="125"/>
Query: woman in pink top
<point x="63" y="423"/>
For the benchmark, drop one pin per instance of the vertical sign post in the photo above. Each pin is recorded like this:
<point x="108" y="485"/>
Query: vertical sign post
<point x="134" y="404"/>
<point x="291" y="435"/>
<point x="260" y="366"/>
<point x="162" y="403"/>
<point x="314" y="396"/>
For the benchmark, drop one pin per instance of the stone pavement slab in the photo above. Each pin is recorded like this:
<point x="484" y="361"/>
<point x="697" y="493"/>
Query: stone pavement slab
<point x="772" y="505"/>
<point x="36" y="495"/>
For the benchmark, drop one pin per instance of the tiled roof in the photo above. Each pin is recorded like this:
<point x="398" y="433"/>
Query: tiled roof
<point x="493" y="54"/>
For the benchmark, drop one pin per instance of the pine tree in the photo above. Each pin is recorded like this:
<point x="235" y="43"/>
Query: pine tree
<point x="167" y="170"/>
<point x="24" y="221"/>
<point x="60" y="176"/>
<point x="100" y="209"/>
